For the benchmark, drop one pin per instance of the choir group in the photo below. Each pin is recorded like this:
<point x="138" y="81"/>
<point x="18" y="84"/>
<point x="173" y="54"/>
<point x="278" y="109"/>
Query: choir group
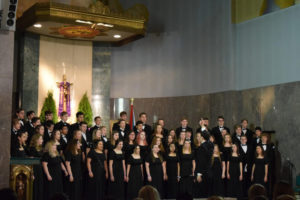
<point x="83" y="163"/>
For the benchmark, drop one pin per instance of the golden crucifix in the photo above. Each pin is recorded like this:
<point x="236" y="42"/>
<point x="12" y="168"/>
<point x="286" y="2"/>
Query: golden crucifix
<point x="64" y="96"/>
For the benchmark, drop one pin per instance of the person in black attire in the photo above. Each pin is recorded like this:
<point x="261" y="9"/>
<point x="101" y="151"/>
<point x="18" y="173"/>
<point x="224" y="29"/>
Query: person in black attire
<point x="31" y="125"/>
<point x="117" y="171"/>
<point x="63" y="137"/>
<point x="184" y="127"/>
<point x="123" y="132"/>
<point x="145" y="127"/>
<point x="135" y="175"/>
<point x="260" y="172"/>
<point x="156" y="170"/>
<point x="203" y="126"/>
<point x="52" y="166"/>
<point x="187" y="169"/>
<point x="217" y="173"/>
<point x="246" y="131"/>
<point x="49" y="127"/>
<point x="16" y="127"/>
<point x="129" y="145"/>
<point x="97" y="126"/>
<point x="203" y="155"/>
<point x="234" y="171"/>
<point x="162" y="123"/>
<point x="139" y="128"/>
<point x="48" y="117"/>
<point x="63" y="121"/>
<point x="20" y="114"/>
<point x="73" y="161"/>
<point x="246" y="153"/>
<point x="236" y="137"/>
<point x="19" y="148"/>
<point x="36" y="151"/>
<point x="123" y="116"/>
<point x="76" y="126"/>
<point x="30" y="115"/>
<point x="216" y="131"/>
<point x="98" y="171"/>
<point x="257" y="138"/>
<point x="172" y="164"/>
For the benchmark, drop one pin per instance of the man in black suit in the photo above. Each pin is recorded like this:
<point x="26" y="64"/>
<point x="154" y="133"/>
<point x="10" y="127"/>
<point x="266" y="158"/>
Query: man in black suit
<point x="97" y="126"/>
<point x="75" y="126"/>
<point x="216" y="131"/>
<point x="63" y="121"/>
<point x="35" y="121"/>
<point x="184" y="127"/>
<point x="28" y="125"/>
<point x="49" y="127"/>
<point x="48" y="117"/>
<point x="64" y="136"/>
<point x="162" y="123"/>
<point x="123" y="133"/>
<point x="246" y="154"/>
<point x="247" y="131"/>
<point x="85" y="136"/>
<point x="238" y="133"/>
<point x="257" y="138"/>
<point x="123" y="116"/>
<point x="20" y="114"/>
<point x="203" y="159"/>
<point x="203" y="126"/>
<point x="145" y="126"/>
<point x="16" y="126"/>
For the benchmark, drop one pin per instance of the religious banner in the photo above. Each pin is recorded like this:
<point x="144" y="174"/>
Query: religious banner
<point x="64" y="96"/>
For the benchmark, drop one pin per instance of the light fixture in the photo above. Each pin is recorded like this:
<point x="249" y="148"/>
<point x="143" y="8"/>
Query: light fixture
<point x="37" y="25"/>
<point x="117" y="36"/>
<point x="106" y="25"/>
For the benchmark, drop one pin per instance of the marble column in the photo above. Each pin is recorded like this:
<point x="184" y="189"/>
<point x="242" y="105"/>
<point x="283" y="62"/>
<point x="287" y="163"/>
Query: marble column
<point x="101" y="82"/>
<point x="29" y="63"/>
<point x="6" y="89"/>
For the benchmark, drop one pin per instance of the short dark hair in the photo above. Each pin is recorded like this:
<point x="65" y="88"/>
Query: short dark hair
<point x="123" y="113"/>
<point x="79" y="113"/>
<point x="205" y="118"/>
<point x="258" y="128"/>
<point x="220" y="117"/>
<point x="244" y="120"/>
<point x="97" y="117"/>
<point x="19" y="110"/>
<point x="35" y="119"/>
<point x="29" y="113"/>
<point x="63" y="113"/>
<point x="49" y="123"/>
<point x="48" y="112"/>
<point x="142" y="113"/>
<point x="83" y="123"/>
<point x="138" y="122"/>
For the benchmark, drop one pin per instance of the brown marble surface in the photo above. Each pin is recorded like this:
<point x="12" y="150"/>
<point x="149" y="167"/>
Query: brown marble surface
<point x="6" y="82"/>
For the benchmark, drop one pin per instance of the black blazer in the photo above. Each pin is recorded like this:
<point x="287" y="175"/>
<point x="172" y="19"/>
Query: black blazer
<point x="117" y="127"/>
<point x="218" y="136"/>
<point x="202" y="158"/>
<point x="180" y="129"/>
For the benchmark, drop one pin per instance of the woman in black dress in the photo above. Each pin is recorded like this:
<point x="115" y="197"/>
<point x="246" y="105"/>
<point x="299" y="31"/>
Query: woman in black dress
<point x="18" y="149"/>
<point x="111" y="145"/>
<point x="260" y="167"/>
<point x="73" y="163"/>
<point x="36" y="151"/>
<point x="169" y="141"/>
<point x="158" y="132"/>
<point x="157" y="141"/>
<point x="217" y="173"/>
<point x="187" y="169"/>
<point x="142" y="142"/>
<point x="56" y="138"/>
<point x="52" y="166"/>
<point x="96" y="134"/>
<point x="40" y="129"/>
<point x="98" y="172"/>
<point x="172" y="164"/>
<point x="117" y="172"/>
<point x="180" y="141"/>
<point x="234" y="174"/>
<point x="156" y="169"/>
<point x="129" y="145"/>
<point x="135" y="176"/>
<point x="226" y="150"/>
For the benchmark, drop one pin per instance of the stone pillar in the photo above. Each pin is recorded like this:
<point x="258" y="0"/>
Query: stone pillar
<point x="29" y="63"/>
<point x="101" y="82"/>
<point x="6" y="89"/>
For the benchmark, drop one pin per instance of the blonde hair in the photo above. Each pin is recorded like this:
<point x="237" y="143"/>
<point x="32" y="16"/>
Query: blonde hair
<point x="94" y="134"/>
<point x="219" y="155"/>
<point x="33" y="142"/>
<point x="230" y="139"/>
<point x="48" y="148"/>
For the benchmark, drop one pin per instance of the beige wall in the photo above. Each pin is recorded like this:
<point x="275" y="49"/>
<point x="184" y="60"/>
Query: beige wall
<point x="58" y="57"/>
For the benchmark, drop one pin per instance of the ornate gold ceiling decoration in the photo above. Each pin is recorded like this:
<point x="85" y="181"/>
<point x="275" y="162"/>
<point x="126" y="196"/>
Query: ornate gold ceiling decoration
<point x="100" y="21"/>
